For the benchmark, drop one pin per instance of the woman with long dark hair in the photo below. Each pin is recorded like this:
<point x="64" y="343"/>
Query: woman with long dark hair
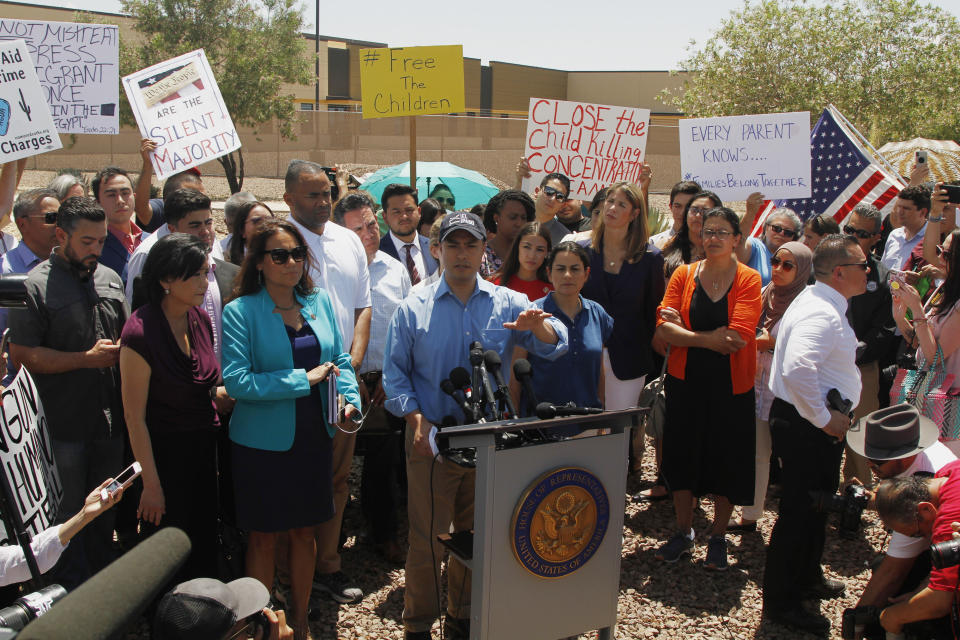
<point x="687" y="245"/>
<point x="525" y="269"/>
<point x="249" y="215"/>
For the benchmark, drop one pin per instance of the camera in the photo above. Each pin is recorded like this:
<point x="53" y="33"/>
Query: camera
<point x="849" y="505"/>
<point x="31" y="606"/>
<point x="856" y="619"/>
<point x="945" y="554"/>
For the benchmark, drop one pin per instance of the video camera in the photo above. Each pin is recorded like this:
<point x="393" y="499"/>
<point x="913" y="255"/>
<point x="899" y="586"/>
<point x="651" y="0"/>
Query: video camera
<point x="26" y="609"/>
<point x="849" y="505"/>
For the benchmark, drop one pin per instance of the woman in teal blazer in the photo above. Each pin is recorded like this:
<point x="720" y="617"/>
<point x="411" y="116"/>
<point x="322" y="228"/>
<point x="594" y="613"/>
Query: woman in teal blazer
<point x="280" y="345"/>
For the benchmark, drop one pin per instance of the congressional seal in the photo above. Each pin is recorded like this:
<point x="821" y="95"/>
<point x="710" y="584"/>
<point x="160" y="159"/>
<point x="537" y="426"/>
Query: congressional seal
<point x="559" y="522"/>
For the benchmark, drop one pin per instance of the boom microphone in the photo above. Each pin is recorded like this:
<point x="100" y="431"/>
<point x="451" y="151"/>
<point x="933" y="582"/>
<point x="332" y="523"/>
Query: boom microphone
<point x="492" y="359"/>
<point x="547" y="411"/>
<point x="524" y="373"/>
<point x="109" y="602"/>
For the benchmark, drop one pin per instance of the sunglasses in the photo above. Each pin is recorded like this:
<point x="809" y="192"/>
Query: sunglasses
<point x="787" y="265"/>
<point x="863" y="265"/>
<point x="557" y="195"/>
<point x="446" y="201"/>
<point x="50" y="217"/>
<point x="860" y="233"/>
<point x="790" y="233"/>
<point x="941" y="252"/>
<point x="282" y="256"/>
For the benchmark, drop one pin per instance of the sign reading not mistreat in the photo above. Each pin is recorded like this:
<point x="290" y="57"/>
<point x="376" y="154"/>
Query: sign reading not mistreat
<point x="178" y="105"/>
<point x="592" y="144"/>
<point x="78" y="70"/>
<point x="411" y="81"/>
<point x="26" y="128"/>
<point x="26" y="455"/>
<point x="735" y="156"/>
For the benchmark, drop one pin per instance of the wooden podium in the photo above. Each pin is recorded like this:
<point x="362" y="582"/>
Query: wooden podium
<point x="548" y="527"/>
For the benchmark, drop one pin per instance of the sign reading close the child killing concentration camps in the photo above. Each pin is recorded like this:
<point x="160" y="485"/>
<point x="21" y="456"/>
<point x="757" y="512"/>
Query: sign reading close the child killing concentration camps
<point x="26" y="128"/>
<point x="411" y="81"/>
<point x="735" y="156"/>
<point x="178" y="105"/>
<point x="594" y="145"/>
<point x="78" y="70"/>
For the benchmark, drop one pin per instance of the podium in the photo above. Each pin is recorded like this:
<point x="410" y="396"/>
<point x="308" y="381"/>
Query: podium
<point x="548" y="527"/>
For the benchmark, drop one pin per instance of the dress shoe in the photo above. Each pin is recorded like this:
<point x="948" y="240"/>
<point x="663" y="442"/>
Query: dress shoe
<point x="825" y="589"/>
<point x="456" y="628"/>
<point x="416" y="635"/>
<point x="800" y="619"/>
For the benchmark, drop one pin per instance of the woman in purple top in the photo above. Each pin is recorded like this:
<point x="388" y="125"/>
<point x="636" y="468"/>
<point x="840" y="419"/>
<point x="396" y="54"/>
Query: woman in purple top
<point x="169" y="371"/>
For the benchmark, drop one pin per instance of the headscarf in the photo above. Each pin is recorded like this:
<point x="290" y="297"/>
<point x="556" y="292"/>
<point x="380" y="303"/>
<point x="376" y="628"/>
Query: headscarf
<point x="777" y="299"/>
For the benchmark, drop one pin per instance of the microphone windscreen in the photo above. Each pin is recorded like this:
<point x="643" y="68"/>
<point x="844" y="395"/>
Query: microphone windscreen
<point x="112" y="600"/>
<point x="545" y="410"/>
<point x="522" y="368"/>
<point x="460" y="378"/>
<point x="492" y="359"/>
<point x="447" y="387"/>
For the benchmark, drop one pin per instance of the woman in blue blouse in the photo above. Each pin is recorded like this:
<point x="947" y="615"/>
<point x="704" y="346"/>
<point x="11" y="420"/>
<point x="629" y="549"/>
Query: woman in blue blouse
<point x="280" y="343"/>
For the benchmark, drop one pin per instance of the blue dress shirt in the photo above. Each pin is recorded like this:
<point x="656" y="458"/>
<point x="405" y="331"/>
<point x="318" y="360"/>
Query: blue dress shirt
<point x="760" y="260"/>
<point x="430" y="335"/>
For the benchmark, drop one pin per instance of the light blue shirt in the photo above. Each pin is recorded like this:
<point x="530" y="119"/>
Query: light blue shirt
<point x="17" y="260"/>
<point x="759" y="259"/>
<point x="389" y="285"/>
<point x="430" y="335"/>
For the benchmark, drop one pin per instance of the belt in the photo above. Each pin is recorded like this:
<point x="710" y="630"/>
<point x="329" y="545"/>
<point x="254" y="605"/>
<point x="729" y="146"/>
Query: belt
<point x="371" y="378"/>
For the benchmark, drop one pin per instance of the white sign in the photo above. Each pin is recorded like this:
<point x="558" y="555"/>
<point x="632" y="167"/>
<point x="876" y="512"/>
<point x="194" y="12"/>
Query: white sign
<point x="26" y="456"/>
<point x="26" y="128"/>
<point x="178" y="105"/>
<point x="735" y="156"/>
<point x="78" y="70"/>
<point x="594" y="145"/>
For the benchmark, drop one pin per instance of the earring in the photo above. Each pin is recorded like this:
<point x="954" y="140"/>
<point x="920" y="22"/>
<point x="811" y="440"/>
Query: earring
<point x="260" y="276"/>
<point x="166" y="291"/>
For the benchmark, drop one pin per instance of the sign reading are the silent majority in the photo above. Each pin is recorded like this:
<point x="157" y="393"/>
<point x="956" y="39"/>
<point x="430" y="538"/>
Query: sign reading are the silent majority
<point x="78" y="70"/>
<point x="26" y="128"/>
<point x="735" y="156"/>
<point x="26" y="456"/>
<point x="178" y="105"/>
<point x="592" y="144"/>
<point x="411" y="81"/>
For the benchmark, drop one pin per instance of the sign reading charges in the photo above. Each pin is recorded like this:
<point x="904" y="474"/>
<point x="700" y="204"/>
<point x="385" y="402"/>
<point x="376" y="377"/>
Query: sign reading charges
<point x="735" y="156"/>
<point x="411" y="81"/>
<point x="26" y="128"/>
<point x="178" y="105"/>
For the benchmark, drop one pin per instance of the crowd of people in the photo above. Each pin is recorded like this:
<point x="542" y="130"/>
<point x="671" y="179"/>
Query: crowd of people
<point x="207" y="359"/>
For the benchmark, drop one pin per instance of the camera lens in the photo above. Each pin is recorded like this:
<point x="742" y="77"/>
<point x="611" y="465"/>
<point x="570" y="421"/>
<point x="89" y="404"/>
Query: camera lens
<point x="945" y="554"/>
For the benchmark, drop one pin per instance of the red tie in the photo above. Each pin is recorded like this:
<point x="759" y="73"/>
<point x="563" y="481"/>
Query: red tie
<point x="411" y="265"/>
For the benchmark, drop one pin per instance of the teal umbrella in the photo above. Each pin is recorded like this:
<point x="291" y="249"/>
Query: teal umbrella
<point x="469" y="187"/>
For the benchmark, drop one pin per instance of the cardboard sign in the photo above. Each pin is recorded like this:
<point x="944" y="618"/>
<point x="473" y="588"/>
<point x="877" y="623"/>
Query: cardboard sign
<point x="735" y="156"/>
<point x="26" y="128"/>
<point x="411" y="81"/>
<point x="177" y="103"/>
<point x="592" y="144"/>
<point x="78" y="70"/>
<point x="26" y="456"/>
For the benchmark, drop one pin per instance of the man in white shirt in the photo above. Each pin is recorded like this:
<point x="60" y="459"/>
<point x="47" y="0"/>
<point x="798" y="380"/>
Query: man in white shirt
<point x="340" y="268"/>
<point x="404" y="242"/>
<point x="815" y="352"/>
<point x="680" y="195"/>
<point x="912" y="207"/>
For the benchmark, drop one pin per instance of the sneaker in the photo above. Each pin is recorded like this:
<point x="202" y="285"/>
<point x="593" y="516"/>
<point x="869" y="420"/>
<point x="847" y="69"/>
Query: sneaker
<point x="338" y="586"/>
<point x="675" y="548"/>
<point x="716" y="553"/>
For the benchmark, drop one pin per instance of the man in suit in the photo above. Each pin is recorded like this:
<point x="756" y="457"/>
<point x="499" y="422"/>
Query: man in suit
<point x="402" y="215"/>
<point x="112" y="189"/>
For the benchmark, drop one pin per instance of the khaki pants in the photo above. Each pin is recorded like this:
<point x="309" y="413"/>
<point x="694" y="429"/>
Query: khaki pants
<point x="328" y="533"/>
<point x="854" y="464"/>
<point x="452" y="504"/>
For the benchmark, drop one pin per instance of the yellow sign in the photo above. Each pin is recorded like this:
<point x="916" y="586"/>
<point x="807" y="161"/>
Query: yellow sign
<point x="411" y="81"/>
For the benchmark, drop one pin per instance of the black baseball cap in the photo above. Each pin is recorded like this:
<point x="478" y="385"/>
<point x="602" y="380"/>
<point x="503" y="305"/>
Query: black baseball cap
<point x="206" y="609"/>
<point x="463" y="221"/>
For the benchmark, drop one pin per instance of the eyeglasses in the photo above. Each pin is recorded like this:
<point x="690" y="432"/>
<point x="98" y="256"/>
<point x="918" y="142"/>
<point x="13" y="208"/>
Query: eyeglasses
<point x="790" y="233"/>
<point x="50" y="217"/>
<point x="787" y="265"/>
<point x="556" y="194"/>
<point x="941" y="252"/>
<point x="716" y="233"/>
<point x="860" y="233"/>
<point x="698" y="211"/>
<point x="918" y="533"/>
<point x="863" y="265"/>
<point x="282" y="256"/>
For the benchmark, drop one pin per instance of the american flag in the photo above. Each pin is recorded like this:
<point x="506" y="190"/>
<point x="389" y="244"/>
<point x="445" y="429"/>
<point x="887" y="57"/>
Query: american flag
<point x="844" y="175"/>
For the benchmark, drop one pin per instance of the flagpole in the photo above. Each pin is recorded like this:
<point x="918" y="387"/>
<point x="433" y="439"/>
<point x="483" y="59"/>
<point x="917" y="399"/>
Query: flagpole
<point x="852" y="129"/>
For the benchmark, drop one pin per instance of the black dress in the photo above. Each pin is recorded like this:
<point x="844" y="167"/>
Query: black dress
<point x="281" y="490"/>
<point x="709" y="435"/>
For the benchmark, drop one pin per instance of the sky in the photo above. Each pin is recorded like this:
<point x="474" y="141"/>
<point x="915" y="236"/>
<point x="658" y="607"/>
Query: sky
<point x="618" y="35"/>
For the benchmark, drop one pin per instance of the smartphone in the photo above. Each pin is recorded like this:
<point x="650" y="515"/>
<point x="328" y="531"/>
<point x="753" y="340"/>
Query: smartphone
<point x="953" y="193"/>
<point x="921" y="157"/>
<point x="122" y="481"/>
<point x="897" y="278"/>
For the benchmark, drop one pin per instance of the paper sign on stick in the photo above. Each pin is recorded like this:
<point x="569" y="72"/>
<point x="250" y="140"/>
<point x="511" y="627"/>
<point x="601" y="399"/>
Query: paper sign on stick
<point x="78" y="70"/>
<point x="592" y="144"/>
<point x="735" y="156"/>
<point x="411" y="81"/>
<point x="26" y="128"/>
<point x="177" y="104"/>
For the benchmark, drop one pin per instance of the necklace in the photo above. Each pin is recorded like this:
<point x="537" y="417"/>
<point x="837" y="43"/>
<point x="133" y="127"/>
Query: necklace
<point x="290" y="308"/>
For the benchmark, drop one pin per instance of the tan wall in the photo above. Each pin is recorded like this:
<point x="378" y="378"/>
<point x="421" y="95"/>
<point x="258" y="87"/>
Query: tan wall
<point x="623" y="88"/>
<point x="471" y="83"/>
<point x="514" y="84"/>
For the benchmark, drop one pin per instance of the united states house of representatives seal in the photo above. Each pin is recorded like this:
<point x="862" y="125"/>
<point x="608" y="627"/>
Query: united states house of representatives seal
<point x="560" y="522"/>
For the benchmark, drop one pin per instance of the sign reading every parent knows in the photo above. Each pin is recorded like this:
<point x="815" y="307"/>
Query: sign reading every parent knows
<point x="735" y="156"/>
<point x="26" y="128"/>
<point x="411" y="81"/>
<point x="592" y="144"/>
<point x="26" y="456"/>
<point x="77" y="65"/>
<point x="178" y="105"/>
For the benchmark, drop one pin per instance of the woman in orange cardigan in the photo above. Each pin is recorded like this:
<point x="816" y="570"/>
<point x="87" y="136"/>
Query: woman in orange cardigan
<point x="709" y="316"/>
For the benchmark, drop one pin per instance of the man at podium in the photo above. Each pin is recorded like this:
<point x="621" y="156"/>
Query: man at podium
<point x="429" y="335"/>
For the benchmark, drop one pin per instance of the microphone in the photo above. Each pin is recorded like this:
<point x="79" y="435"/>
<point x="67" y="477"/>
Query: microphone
<point x="546" y="411"/>
<point x="492" y="359"/>
<point x="448" y="388"/>
<point x="524" y="373"/>
<point x="476" y="362"/>
<point x="110" y="601"/>
<point x="461" y="380"/>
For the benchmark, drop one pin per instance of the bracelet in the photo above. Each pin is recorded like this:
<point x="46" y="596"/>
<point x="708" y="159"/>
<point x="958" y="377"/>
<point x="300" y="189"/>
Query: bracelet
<point x="940" y="219"/>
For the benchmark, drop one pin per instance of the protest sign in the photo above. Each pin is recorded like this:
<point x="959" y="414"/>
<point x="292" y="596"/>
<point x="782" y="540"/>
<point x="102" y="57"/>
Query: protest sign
<point x="735" y="156"/>
<point x="177" y="104"/>
<point x="592" y="144"/>
<point x="26" y="128"/>
<point x="411" y="81"/>
<point x="78" y="70"/>
<point x="26" y="456"/>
